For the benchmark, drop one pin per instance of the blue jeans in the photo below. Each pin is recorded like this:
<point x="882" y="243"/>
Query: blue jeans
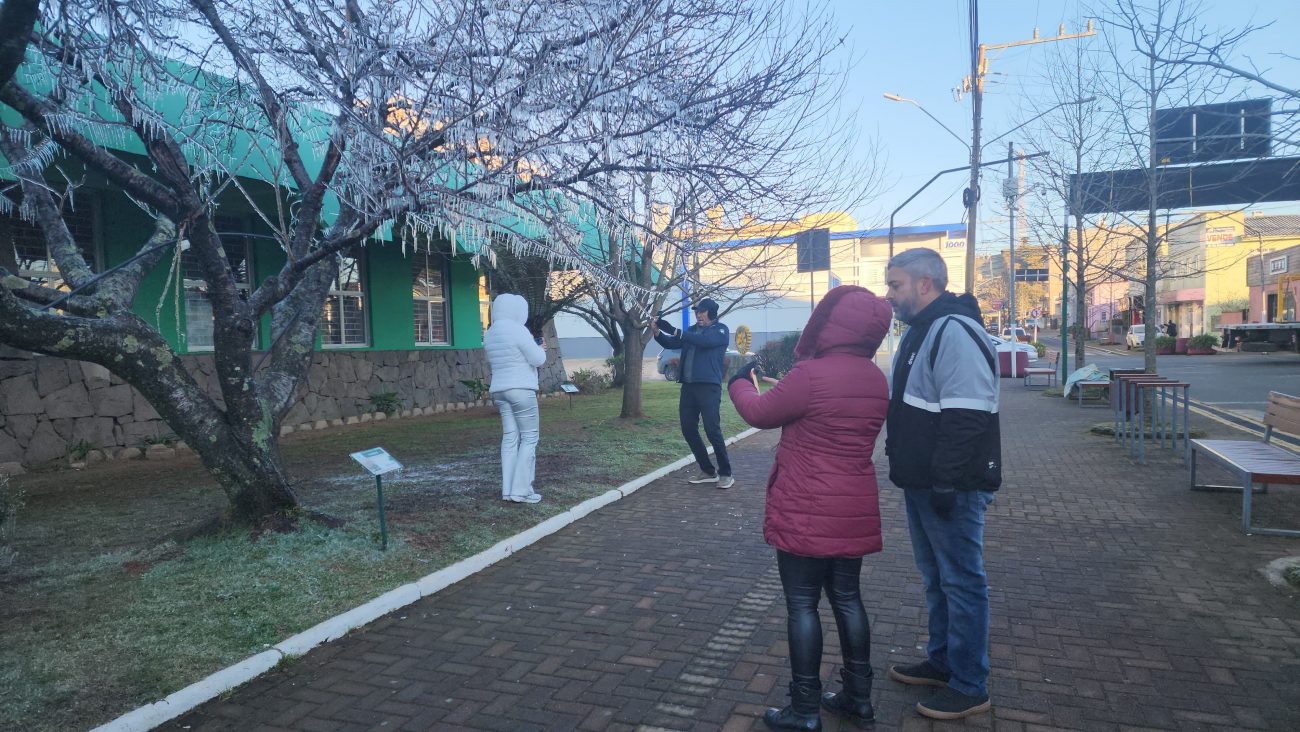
<point x="950" y="555"/>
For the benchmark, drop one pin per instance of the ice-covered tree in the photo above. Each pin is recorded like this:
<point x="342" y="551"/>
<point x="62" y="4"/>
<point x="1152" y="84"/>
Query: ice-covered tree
<point x="482" y="123"/>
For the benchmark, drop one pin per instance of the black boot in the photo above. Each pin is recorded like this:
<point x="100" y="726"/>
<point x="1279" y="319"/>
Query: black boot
<point x="854" y="702"/>
<point x="802" y="715"/>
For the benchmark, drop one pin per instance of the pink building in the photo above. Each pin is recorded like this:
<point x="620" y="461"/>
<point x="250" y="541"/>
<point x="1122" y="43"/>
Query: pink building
<point x="1274" y="279"/>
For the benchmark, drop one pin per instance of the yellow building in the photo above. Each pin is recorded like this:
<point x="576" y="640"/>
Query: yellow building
<point x="1204" y="266"/>
<point x="857" y="257"/>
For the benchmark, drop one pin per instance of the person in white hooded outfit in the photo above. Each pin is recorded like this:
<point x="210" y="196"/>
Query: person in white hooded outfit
<point x="514" y="357"/>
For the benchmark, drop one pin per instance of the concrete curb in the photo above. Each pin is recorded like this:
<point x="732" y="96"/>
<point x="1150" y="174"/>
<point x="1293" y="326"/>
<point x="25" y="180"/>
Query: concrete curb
<point x="206" y="689"/>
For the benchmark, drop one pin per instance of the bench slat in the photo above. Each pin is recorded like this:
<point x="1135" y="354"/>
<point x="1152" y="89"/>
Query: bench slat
<point x="1266" y="463"/>
<point x="1283" y="412"/>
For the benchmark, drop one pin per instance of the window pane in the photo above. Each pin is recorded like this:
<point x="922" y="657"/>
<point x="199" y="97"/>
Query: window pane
<point x="421" y="312"/>
<point x="354" y="320"/>
<point x="428" y="291"/>
<point x="198" y="306"/>
<point x="349" y="274"/>
<point x="331" y="323"/>
<point x="198" y="321"/>
<point x="25" y="243"/>
<point x="343" y="322"/>
<point x="437" y="322"/>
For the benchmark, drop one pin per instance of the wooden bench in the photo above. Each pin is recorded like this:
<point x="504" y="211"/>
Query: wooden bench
<point x="1262" y="463"/>
<point x="1047" y="371"/>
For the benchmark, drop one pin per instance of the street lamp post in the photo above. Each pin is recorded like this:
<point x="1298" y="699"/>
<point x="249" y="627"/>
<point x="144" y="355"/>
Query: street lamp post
<point x="914" y="103"/>
<point x="935" y="177"/>
<point x="971" y="194"/>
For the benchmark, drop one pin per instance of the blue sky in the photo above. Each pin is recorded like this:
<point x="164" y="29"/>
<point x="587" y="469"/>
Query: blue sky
<point x="919" y="49"/>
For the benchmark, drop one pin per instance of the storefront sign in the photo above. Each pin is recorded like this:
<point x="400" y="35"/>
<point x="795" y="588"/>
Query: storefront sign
<point x="1220" y="236"/>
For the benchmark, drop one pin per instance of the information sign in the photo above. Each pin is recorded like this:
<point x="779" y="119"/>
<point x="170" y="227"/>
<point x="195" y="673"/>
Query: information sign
<point x="377" y="461"/>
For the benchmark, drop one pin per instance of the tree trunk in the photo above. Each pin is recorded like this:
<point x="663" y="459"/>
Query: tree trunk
<point x="1149" y="308"/>
<point x="633" y="351"/>
<point x="253" y="477"/>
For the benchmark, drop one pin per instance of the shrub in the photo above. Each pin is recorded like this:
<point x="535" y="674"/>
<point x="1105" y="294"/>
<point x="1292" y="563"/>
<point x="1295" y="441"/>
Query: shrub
<point x="385" y="401"/>
<point x="591" y="381"/>
<point x="777" y="357"/>
<point x="616" y="364"/>
<point x="1041" y="348"/>
<point x="477" y="388"/>
<point x="1203" y="341"/>
<point x="79" y="450"/>
<point x="11" y="499"/>
<point x="1165" y="342"/>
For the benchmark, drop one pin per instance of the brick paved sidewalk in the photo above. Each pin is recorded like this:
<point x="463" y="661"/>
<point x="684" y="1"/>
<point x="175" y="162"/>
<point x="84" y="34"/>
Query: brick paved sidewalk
<point x="1120" y="601"/>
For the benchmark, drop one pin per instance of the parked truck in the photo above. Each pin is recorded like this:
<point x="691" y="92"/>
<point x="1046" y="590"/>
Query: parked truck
<point x="1280" y="336"/>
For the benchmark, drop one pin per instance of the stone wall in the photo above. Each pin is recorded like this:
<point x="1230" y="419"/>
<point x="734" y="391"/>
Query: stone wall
<point x="50" y="406"/>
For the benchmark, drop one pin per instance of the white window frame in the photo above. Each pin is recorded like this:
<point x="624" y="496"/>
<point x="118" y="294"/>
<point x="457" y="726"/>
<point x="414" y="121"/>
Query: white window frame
<point x="196" y="290"/>
<point x="337" y="293"/>
<point x="1274" y="269"/>
<point x="441" y="300"/>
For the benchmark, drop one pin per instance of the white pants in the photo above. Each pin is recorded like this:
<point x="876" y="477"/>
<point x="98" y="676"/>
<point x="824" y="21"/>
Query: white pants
<point x="519" y="432"/>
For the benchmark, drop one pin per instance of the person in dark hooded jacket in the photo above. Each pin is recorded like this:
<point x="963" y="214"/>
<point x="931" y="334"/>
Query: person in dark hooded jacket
<point x="944" y="450"/>
<point x="823" y="512"/>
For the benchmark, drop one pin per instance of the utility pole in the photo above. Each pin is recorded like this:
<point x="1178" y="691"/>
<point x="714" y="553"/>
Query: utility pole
<point x="971" y="196"/>
<point x="1011" y="190"/>
<point x="974" y="84"/>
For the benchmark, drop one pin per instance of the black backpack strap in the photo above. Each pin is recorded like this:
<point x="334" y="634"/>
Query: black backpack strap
<point x="934" y="347"/>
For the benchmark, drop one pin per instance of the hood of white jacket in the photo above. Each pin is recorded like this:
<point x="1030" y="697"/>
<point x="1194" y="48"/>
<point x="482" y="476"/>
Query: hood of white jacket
<point x="510" y="308"/>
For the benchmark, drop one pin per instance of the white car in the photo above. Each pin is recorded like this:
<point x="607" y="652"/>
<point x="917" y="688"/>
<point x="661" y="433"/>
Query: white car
<point x="1001" y="344"/>
<point x="1136" y="336"/>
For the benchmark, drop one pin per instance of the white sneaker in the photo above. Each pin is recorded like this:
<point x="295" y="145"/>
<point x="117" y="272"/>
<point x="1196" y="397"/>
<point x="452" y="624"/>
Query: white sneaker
<point x="725" y="481"/>
<point x="530" y="498"/>
<point x="703" y="479"/>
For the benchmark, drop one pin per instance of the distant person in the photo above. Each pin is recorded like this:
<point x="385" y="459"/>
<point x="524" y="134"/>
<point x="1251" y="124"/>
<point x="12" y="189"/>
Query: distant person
<point x="514" y="356"/>
<point x="1171" y="329"/>
<point x="823" y="510"/>
<point x="944" y="451"/>
<point x="704" y="347"/>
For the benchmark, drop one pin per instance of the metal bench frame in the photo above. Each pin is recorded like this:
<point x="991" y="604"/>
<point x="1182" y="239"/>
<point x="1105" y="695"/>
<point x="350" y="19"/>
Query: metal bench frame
<point x="1254" y="462"/>
<point x="1048" y="371"/>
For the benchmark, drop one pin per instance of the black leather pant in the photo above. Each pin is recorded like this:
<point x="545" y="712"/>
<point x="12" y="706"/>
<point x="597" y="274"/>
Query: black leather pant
<point x="804" y="579"/>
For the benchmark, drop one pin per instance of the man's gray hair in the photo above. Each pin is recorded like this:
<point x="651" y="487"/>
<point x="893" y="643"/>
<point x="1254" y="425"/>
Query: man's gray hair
<point x="923" y="263"/>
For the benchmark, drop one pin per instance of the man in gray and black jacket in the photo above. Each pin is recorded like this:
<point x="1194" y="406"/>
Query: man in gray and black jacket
<point x="944" y="450"/>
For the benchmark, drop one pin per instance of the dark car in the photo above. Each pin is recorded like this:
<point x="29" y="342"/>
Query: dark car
<point x="670" y="361"/>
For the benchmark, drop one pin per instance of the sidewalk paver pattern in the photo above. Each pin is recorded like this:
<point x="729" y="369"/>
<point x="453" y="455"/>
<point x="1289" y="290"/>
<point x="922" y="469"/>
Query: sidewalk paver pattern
<point x="1120" y="601"/>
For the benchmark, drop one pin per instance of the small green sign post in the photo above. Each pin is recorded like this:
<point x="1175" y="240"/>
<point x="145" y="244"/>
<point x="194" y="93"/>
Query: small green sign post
<point x="570" y="389"/>
<point x="377" y="461"/>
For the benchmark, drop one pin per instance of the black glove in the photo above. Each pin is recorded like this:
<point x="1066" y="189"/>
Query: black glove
<point x="744" y="373"/>
<point x="665" y="327"/>
<point x="943" y="499"/>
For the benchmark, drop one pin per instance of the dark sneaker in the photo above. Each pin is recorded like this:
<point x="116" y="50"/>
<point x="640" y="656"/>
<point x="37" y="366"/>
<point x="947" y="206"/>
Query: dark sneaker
<point x="706" y="478"/>
<point x="948" y="703"/>
<point x="918" y="674"/>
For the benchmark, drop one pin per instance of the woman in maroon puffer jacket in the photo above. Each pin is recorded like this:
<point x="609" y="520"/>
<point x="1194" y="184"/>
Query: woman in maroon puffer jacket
<point x="823" y="511"/>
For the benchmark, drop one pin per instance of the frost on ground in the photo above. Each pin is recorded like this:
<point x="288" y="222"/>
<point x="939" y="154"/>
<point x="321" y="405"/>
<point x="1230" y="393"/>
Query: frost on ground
<point x="457" y="476"/>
